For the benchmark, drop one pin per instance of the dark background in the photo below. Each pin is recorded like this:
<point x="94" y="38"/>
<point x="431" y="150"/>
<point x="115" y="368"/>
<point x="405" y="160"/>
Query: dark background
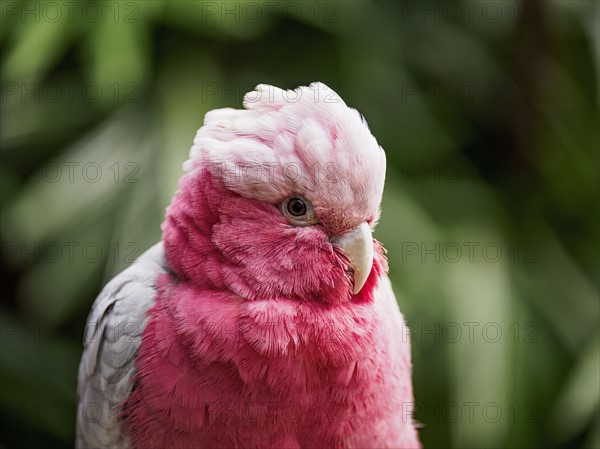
<point x="488" y="112"/>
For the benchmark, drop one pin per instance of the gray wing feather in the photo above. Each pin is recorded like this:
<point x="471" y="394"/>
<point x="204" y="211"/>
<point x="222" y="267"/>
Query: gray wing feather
<point x="112" y="338"/>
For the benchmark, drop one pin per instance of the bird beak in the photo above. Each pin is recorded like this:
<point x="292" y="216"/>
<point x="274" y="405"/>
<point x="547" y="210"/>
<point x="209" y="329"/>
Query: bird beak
<point x="358" y="246"/>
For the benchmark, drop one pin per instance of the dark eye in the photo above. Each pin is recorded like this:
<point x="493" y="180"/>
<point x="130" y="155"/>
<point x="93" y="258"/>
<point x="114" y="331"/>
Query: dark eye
<point x="298" y="211"/>
<point x="296" y="207"/>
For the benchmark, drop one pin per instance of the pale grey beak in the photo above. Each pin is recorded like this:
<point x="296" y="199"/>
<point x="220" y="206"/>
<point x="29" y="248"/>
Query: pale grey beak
<point x="358" y="246"/>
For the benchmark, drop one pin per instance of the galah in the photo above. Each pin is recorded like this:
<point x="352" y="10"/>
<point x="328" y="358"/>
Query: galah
<point x="264" y="318"/>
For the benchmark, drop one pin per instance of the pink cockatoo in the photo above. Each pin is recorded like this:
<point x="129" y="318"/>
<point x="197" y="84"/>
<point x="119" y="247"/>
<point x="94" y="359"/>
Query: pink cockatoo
<point x="265" y="317"/>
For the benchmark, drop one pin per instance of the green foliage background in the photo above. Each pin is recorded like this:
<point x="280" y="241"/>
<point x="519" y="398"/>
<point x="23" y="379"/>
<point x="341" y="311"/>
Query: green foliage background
<point x="488" y="112"/>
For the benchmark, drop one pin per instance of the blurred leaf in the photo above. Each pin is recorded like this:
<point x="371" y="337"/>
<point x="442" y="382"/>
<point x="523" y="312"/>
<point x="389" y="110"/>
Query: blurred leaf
<point x="187" y="92"/>
<point x="123" y="70"/>
<point x="561" y="294"/>
<point x="242" y="19"/>
<point x="79" y="181"/>
<point x="479" y="294"/>
<point x="37" y="46"/>
<point x="579" y="402"/>
<point x="38" y="376"/>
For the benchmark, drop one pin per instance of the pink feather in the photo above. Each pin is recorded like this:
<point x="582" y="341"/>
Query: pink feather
<point x="256" y="339"/>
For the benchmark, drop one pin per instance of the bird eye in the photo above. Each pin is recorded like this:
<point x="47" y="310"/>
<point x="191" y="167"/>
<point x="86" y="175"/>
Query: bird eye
<point x="298" y="211"/>
<point x="296" y="207"/>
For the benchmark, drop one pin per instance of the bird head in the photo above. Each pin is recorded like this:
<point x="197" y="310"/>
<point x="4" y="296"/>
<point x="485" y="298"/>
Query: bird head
<point x="280" y="199"/>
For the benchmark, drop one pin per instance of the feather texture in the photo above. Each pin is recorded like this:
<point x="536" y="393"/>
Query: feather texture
<point x="253" y="337"/>
<point x="112" y="337"/>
